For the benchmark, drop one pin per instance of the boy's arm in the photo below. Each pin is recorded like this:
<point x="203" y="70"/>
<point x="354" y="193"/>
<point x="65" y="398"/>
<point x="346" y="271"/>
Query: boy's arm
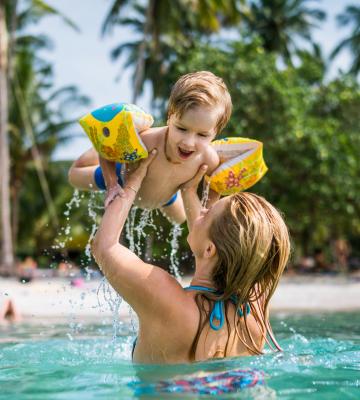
<point x="113" y="188"/>
<point x="81" y="172"/>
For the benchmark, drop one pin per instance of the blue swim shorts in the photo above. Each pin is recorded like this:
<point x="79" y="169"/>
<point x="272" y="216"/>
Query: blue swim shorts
<point x="100" y="182"/>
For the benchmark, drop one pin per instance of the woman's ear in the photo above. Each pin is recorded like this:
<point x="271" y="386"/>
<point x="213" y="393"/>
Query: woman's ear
<point x="210" y="250"/>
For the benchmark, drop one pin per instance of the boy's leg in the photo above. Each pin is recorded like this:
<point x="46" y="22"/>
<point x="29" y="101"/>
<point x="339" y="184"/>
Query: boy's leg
<point x="81" y="173"/>
<point x="175" y="211"/>
<point x="111" y="178"/>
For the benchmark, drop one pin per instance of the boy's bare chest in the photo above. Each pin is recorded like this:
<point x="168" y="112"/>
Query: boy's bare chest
<point x="163" y="181"/>
<point x="173" y="174"/>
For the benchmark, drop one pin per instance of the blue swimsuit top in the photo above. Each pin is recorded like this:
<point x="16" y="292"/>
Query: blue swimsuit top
<point x="217" y="312"/>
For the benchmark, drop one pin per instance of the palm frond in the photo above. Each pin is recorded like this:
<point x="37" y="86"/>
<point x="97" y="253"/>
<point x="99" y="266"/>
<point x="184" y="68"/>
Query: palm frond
<point x="112" y="17"/>
<point x="40" y="8"/>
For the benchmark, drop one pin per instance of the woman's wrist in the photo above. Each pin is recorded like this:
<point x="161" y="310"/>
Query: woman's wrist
<point x="130" y="187"/>
<point x="188" y="191"/>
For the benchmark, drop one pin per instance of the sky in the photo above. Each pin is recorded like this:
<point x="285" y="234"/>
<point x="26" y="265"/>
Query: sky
<point x="83" y="59"/>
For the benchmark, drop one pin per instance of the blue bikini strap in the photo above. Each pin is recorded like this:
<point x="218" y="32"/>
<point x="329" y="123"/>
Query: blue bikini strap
<point x="218" y="309"/>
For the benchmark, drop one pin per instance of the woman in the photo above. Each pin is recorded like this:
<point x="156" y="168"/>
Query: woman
<point x="241" y="246"/>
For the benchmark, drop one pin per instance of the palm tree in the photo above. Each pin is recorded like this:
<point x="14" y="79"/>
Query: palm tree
<point x="11" y="23"/>
<point x="7" y="254"/>
<point x="351" y="16"/>
<point x="165" y="27"/>
<point x="38" y="124"/>
<point x="280" y="23"/>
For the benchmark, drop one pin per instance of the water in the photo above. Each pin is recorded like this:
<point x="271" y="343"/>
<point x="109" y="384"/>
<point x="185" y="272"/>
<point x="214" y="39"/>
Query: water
<point x="205" y="194"/>
<point x="175" y="235"/>
<point x="321" y="360"/>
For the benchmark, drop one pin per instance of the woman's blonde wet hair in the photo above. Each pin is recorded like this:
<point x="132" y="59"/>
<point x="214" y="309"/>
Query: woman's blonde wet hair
<point x="201" y="88"/>
<point x="253" y="247"/>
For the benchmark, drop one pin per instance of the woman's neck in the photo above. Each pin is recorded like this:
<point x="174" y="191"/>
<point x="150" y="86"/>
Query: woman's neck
<point x="203" y="273"/>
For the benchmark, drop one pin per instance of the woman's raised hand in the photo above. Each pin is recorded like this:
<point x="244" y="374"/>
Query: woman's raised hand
<point x="193" y="183"/>
<point x="135" y="177"/>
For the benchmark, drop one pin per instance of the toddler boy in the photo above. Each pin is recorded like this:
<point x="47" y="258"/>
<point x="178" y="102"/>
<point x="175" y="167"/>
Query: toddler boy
<point x="199" y="108"/>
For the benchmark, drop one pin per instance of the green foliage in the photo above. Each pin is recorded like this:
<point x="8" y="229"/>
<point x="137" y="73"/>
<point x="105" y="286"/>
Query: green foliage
<point x="163" y="29"/>
<point x="309" y="127"/>
<point x="351" y="16"/>
<point x="38" y="119"/>
<point x="280" y="23"/>
<point x="310" y="132"/>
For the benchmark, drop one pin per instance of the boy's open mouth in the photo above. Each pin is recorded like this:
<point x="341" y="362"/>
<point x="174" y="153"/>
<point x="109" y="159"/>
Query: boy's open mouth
<point x="184" y="154"/>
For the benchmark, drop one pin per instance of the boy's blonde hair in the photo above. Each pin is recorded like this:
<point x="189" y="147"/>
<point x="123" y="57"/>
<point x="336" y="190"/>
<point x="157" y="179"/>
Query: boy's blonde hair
<point x="200" y="88"/>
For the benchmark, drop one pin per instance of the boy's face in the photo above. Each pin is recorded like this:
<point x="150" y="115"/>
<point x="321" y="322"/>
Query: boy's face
<point x="190" y="134"/>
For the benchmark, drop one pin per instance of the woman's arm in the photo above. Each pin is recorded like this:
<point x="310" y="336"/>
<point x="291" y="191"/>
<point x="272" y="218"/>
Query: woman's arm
<point x="142" y="285"/>
<point x="190" y="197"/>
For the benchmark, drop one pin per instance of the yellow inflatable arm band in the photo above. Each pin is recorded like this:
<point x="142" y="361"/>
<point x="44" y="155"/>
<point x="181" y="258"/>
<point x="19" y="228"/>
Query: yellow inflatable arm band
<point x="114" y="131"/>
<point x="241" y="165"/>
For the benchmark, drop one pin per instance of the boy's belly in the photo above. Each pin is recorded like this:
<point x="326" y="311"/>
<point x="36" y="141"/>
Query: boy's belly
<point x="155" y="194"/>
<point x="162" y="182"/>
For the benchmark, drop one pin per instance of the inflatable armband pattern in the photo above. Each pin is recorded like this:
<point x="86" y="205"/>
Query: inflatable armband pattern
<point x="242" y="165"/>
<point x="114" y="131"/>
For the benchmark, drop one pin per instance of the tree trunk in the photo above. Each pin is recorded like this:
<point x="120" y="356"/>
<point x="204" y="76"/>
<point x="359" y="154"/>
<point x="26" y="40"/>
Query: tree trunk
<point x="7" y="255"/>
<point x="15" y="200"/>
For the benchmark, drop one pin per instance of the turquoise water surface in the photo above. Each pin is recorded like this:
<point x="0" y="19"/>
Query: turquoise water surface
<point x="321" y="360"/>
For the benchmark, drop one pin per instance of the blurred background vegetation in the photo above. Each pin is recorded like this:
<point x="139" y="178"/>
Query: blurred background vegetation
<point x="277" y="76"/>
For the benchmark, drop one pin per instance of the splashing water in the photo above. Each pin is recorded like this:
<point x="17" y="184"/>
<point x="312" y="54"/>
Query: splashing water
<point x="205" y="194"/>
<point x="113" y="300"/>
<point x="91" y="207"/>
<point x="175" y="234"/>
<point x="135" y="232"/>
<point x="145" y="220"/>
<point x="64" y="233"/>
<point x="130" y="229"/>
<point x="110" y="296"/>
